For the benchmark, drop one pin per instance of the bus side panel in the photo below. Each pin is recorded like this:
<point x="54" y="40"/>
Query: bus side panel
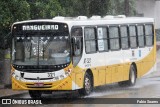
<point x="78" y="78"/>
<point x="117" y="73"/>
<point x="95" y="75"/>
<point x="78" y="81"/>
<point x="101" y="76"/>
<point x="139" y="68"/>
<point x="108" y="75"/>
<point x="126" y="71"/>
<point x="147" y="63"/>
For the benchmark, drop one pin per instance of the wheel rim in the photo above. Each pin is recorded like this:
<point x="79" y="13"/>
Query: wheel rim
<point x="87" y="85"/>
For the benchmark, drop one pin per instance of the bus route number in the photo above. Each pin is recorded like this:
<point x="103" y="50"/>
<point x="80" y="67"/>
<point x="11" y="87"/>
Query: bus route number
<point x="87" y="62"/>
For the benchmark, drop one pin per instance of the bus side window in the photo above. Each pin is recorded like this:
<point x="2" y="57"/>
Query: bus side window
<point x="90" y="39"/>
<point x="102" y="39"/>
<point x="140" y="32"/>
<point x="114" y="38"/>
<point x="149" y="34"/>
<point x="133" y="38"/>
<point x="124" y="37"/>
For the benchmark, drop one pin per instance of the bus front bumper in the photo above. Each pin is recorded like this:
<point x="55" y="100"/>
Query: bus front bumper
<point x="65" y="84"/>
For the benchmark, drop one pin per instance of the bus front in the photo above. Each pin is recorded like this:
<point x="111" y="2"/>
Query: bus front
<point x="41" y="57"/>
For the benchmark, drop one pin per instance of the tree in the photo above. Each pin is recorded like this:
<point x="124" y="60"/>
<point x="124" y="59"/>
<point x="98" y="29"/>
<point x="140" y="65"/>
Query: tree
<point x="44" y="9"/>
<point x="98" y="7"/>
<point x="126" y="2"/>
<point x="17" y="10"/>
<point x="125" y="7"/>
<point x="11" y="11"/>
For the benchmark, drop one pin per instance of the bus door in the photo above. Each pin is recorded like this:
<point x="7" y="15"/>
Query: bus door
<point x="77" y="47"/>
<point x="77" y="44"/>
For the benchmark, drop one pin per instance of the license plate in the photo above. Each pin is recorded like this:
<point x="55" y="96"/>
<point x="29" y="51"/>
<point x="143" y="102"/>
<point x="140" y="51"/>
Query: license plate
<point x="39" y="84"/>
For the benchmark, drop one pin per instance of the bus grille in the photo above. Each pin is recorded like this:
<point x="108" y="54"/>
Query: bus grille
<point x="38" y="79"/>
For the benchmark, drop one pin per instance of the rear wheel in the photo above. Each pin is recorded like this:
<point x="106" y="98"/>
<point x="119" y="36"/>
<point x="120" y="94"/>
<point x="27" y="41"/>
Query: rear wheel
<point x="87" y="86"/>
<point x="132" y="78"/>
<point x="35" y="93"/>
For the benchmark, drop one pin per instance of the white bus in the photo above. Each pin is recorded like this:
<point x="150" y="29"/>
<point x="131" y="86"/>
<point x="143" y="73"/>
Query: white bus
<point x="81" y="53"/>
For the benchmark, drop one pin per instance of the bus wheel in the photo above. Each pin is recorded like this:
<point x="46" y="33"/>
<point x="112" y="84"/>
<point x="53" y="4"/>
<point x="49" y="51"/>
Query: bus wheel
<point x="35" y="93"/>
<point x="87" y="85"/>
<point x="132" y="76"/>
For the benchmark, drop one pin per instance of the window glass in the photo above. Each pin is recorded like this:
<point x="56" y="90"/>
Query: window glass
<point x="149" y="35"/>
<point x="90" y="46"/>
<point x="102" y="39"/>
<point x="140" y="33"/>
<point x="90" y="39"/>
<point x="113" y="32"/>
<point x="78" y="39"/>
<point x="149" y="40"/>
<point x="114" y="38"/>
<point x="123" y="30"/>
<point x="102" y="32"/>
<point x="148" y="30"/>
<point x="89" y="33"/>
<point x="132" y="30"/>
<point x="140" y="30"/>
<point x="77" y="32"/>
<point x="133" y="39"/>
<point x="124" y="37"/>
<point x="114" y="44"/>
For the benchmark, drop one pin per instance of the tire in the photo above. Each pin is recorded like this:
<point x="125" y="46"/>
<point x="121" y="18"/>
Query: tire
<point x="132" y="78"/>
<point x="35" y="94"/>
<point x="87" y="85"/>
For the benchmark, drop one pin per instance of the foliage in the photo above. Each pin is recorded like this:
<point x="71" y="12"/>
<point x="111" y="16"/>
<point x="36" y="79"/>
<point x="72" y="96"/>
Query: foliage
<point x="11" y="11"/>
<point x="44" y="8"/>
<point x="18" y="10"/>
<point x="96" y="7"/>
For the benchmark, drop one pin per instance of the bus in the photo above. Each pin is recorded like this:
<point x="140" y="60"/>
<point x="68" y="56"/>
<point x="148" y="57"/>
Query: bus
<point x="80" y="53"/>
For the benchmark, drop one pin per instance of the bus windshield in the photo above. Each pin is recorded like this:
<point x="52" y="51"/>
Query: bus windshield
<point x="40" y="49"/>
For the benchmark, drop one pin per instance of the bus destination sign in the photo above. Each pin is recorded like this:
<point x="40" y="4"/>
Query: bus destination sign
<point x="39" y="27"/>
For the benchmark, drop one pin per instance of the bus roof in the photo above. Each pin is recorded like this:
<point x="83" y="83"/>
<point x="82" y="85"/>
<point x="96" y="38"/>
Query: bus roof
<point x="94" y="20"/>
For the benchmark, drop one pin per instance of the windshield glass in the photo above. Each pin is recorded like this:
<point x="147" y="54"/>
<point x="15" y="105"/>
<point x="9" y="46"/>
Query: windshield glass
<point x="40" y="50"/>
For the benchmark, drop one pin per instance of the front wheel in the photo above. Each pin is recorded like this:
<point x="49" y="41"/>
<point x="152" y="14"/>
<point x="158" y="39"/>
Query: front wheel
<point x="87" y="86"/>
<point x="35" y="94"/>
